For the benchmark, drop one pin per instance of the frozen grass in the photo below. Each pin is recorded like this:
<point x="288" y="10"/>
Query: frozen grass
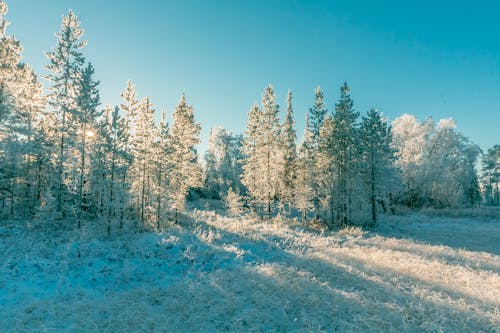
<point x="410" y="274"/>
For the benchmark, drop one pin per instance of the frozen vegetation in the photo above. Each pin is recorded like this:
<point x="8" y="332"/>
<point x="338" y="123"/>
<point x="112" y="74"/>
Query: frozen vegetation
<point x="410" y="273"/>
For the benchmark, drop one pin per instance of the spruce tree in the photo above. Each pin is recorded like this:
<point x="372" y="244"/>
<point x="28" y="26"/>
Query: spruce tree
<point x="269" y="150"/>
<point x="345" y="153"/>
<point x="143" y="152"/>
<point x="317" y="114"/>
<point x="186" y="173"/>
<point x="289" y="156"/>
<point x="65" y="64"/>
<point x="378" y="157"/>
<point x="304" y="192"/>
<point x="251" y="177"/>
<point x="87" y="115"/>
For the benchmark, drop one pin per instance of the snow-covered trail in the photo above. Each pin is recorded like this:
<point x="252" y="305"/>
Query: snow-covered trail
<point x="223" y="274"/>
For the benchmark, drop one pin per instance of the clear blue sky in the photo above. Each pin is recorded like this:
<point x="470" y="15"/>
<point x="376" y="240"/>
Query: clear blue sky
<point x="428" y="58"/>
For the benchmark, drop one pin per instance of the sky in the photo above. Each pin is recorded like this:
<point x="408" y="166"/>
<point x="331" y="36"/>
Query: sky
<point x="434" y="59"/>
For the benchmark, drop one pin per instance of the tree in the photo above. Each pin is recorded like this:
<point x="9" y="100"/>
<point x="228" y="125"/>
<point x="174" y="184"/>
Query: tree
<point x="186" y="172"/>
<point x="223" y="163"/>
<point x="143" y="152"/>
<point x="304" y="193"/>
<point x="111" y="161"/>
<point x="491" y="176"/>
<point x="22" y="107"/>
<point x="65" y="63"/>
<point x="163" y="167"/>
<point x="268" y="149"/>
<point x="324" y="166"/>
<point x="317" y="114"/>
<point x="345" y="152"/>
<point x="251" y="178"/>
<point x="289" y="155"/>
<point x="234" y="203"/>
<point x="378" y="157"/>
<point x="87" y="116"/>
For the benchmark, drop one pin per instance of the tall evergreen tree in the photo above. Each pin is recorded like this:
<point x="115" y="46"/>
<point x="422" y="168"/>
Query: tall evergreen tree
<point x="304" y="193"/>
<point x="268" y="150"/>
<point x="87" y="115"/>
<point x="65" y="64"/>
<point x="251" y="177"/>
<point x="491" y="176"/>
<point x="186" y="173"/>
<point x="344" y="152"/>
<point x="289" y="142"/>
<point x="324" y="164"/>
<point x="317" y="114"/>
<point x="141" y="172"/>
<point x="378" y="157"/>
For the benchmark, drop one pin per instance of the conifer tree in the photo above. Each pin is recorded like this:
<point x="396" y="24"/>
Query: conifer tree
<point x="345" y="152"/>
<point x="304" y="193"/>
<point x="378" y="157"/>
<point x="268" y="149"/>
<point x="87" y="116"/>
<point x="491" y="176"/>
<point x="251" y="177"/>
<point x="163" y="168"/>
<point x="143" y="144"/>
<point x="289" y="173"/>
<point x="186" y="173"/>
<point x="317" y="114"/>
<point x="325" y="166"/>
<point x="65" y="63"/>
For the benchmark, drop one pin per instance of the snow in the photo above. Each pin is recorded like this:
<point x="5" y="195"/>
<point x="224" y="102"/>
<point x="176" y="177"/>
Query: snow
<point x="412" y="273"/>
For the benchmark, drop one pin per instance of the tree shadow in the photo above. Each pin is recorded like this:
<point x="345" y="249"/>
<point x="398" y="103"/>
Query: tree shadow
<point x="351" y="286"/>
<point x="477" y="236"/>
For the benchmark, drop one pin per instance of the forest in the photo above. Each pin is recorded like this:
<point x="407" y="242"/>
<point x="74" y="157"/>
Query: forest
<point x="65" y="155"/>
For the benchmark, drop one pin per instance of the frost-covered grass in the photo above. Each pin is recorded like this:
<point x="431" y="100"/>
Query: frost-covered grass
<point x="410" y="274"/>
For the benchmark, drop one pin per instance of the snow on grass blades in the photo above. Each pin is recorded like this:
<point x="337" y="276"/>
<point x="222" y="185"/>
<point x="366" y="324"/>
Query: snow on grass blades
<point x="238" y="274"/>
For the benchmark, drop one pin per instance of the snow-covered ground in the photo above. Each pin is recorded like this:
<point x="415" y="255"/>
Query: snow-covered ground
<point x="410" y="274"/>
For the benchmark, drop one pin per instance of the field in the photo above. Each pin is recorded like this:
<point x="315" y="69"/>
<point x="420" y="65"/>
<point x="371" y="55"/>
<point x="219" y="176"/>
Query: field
<point x="411" y="273"/>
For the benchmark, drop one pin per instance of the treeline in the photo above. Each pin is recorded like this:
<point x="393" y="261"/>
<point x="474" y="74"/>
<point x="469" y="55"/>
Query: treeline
<point x="348" y="167"/>
<point x="64" y="155"/>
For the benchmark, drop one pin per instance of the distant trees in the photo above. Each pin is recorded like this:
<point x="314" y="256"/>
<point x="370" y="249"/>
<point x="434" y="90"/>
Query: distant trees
<point x="491" y="176"/>
<point x="223" y="163"/>
<point x="437" y="164"/>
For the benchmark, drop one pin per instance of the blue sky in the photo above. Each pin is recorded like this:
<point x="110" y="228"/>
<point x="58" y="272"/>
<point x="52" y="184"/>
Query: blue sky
<point x="428" y="58"/>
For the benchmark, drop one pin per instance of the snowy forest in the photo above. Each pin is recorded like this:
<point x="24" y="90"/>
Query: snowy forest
<point x="78" y="165"/>
<point x="63" y="153"/>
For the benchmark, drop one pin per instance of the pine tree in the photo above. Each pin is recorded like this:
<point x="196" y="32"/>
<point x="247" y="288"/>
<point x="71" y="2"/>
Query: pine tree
<point x="344" y="152"/>
<point x="22" y="106"/>
<point x="491" y="176"/>
<point x="163" y="168"/>
<point x="142" y="143"/>
<point x="289" y="142"/>
<point x="324" y="164"/>
<point x="111" y="162"/>
<point x="304" y="192"/>
<point x="317" y="115"/>
<point x="378" y="158"/>
<point x="186" y="173"/>
<point x="268" y="149"/>
<point x="65" y="63"/>
<point x="87" y="115"/>
<point x="251" y="177"/>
